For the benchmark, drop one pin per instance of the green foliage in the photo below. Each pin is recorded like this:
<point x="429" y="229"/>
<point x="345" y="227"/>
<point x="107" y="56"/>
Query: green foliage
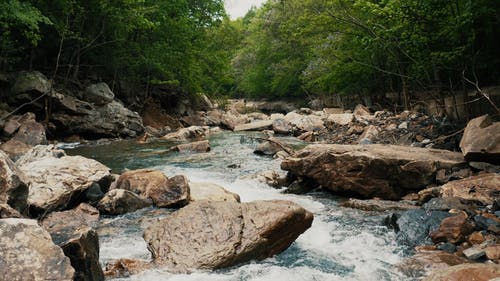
<point x="323" y="47"/>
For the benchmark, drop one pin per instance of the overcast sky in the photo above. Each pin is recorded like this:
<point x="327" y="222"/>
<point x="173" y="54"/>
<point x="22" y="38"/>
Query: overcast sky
<point x="238" y="8"/>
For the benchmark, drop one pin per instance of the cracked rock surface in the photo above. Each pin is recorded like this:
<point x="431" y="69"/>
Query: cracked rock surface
<point x="209" y="235"/>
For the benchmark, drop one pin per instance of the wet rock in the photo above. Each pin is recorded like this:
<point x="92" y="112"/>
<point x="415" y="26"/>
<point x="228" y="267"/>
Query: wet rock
<point x="28" y="86"/>
<point x="60" y="183"/>
<point x="188" y="134"/>
<point x="379" y="205"/>
<point x="488" y="222"/>
<point x="199" y="146"/>
<point x="7" y="211"/>
<point x="483" y="188"/>
<point x="28" y="253"/>
<point x="211" y="192"/>
<point x="71" y="231"/>
<point x="120" y="201"/>
<point x="272" y="146"/>
<point x="423" y="263"/>
<point x="388" y="172"/>
<point x="453" y="229"/>
<point x="15" y="148"/>
<point x="75" y="117"/>
<point x="301" y="186"/>
<point x="13" y="185"/>
<point x="99" y="94"/>
<point x="447" y="247"/>
<point x="152" y="184"/>
<point x="481" y="141"/>
<point x="254" y="126"/>
<point x="222" y="234"/>
<point x="416" y="225"/>
<point x="475" y="271"/>
<point x="281" y="126"/>
<point x="123" y="268"/>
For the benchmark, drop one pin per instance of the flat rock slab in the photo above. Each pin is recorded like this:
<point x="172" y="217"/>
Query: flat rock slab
<point x="210" y="235"/>
<point x="254" y="126"/>
<point x="484" y="188"/>
<point x="28" y="253"/>
<point x="379" y="205"/>
<point x="384" y="171"/>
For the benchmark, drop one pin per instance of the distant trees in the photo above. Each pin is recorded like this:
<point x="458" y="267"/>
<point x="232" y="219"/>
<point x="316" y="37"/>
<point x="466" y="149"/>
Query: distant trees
<point x="321" y="47"/>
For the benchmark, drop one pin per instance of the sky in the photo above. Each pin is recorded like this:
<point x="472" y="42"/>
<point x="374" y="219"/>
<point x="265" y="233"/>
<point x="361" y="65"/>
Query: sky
<point x="238" y="8"/>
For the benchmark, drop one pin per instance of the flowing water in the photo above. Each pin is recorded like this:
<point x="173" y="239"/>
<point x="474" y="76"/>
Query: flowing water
<point x="342" y="244"/>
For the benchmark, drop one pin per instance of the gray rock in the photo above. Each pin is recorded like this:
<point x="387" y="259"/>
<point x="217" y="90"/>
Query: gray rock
<point x="75" y="117"/>
<point x="99" y="94"/>
<point x="28" y="253"/>
<point x="57" y="183"/>
<point x="481" y="141"/>
<point x="416" y="225"/>
<point x="474" y="253"/>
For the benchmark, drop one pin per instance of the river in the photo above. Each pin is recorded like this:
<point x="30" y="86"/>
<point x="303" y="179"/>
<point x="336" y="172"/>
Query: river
<point x="342" y="244"/>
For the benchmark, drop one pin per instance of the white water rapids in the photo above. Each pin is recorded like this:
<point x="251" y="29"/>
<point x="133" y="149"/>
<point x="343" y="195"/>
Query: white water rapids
<point x="342" y="244"/>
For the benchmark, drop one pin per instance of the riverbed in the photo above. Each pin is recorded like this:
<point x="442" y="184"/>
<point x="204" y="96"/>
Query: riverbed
<point x="342" y="244"/>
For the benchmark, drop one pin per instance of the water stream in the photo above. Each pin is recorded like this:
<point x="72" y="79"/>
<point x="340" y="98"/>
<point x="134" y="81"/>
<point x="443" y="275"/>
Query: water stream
<point x="342" y="244"/>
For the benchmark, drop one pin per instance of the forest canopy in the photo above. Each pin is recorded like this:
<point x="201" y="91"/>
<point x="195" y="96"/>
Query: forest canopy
<point x="292" y="48"/>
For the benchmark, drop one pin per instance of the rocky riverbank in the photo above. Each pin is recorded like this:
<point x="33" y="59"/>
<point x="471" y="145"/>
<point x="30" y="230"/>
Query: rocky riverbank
<point x="444" y="203"/>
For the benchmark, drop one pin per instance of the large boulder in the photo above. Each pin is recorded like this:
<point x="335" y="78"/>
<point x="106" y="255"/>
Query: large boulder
<point x="152" y="184"/>
<point x="341" y="119"/>
<point x="210" y="235"/>
<point x="71" y="230"/>
<point x="13" y="185"/>
<point x="211" y="192"/>
<point x="29" y="86"/>
<point x="282" y="126"/>
<point x="481" y="140"/>
<point x="484" y="188"/>
<point x="75" y="117"/>
<point x="272" y="146"/>
<point x="28" y="253"/>
<point x="58" y="183"/>
<point x="466" y="272"/>
<point x="99" y="94"/>
<point x="120" y="201"/>
<point x="381" y="171"/>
